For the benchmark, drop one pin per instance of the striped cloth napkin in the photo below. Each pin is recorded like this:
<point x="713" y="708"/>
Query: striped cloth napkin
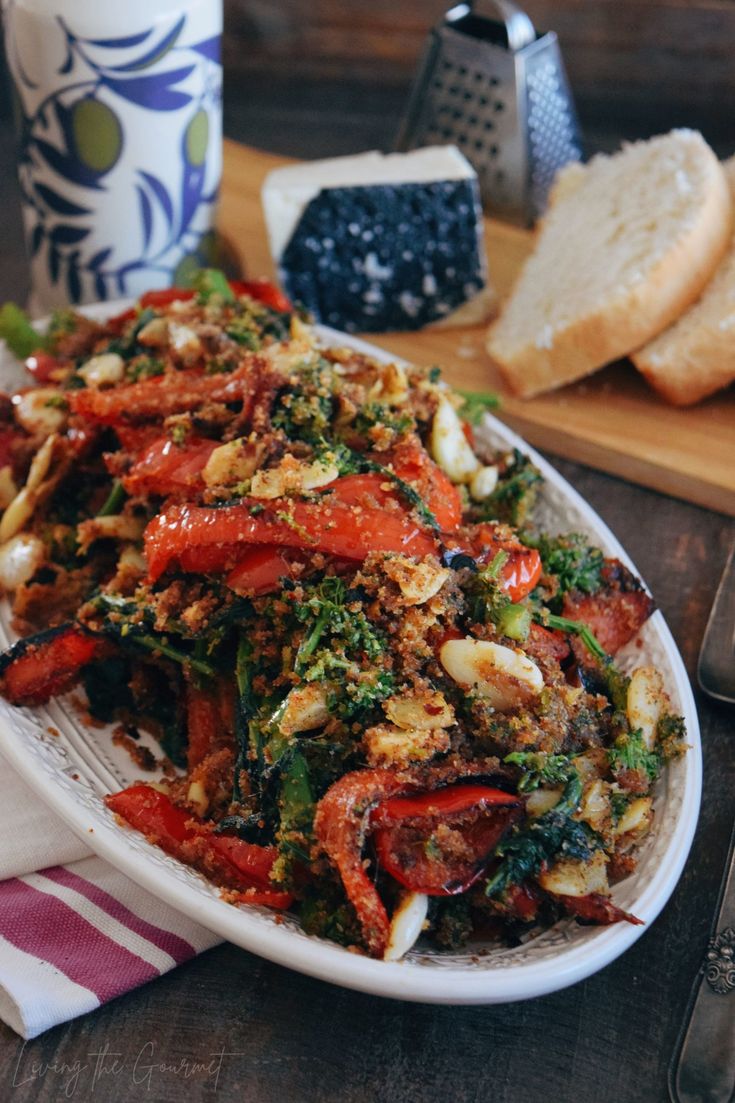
<point x="74" y="933"/>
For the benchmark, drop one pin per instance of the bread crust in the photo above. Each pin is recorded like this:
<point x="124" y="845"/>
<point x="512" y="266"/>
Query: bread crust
<point x="696" y="356"/>
<point x="636" y="315"/>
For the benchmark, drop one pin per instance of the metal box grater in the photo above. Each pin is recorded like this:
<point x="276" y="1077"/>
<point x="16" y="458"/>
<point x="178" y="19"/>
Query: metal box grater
<point x="498" y="91"/>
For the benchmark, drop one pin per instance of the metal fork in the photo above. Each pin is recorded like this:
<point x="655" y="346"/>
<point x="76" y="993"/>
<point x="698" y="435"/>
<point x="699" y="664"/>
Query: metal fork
<point x="703" y="1067"/>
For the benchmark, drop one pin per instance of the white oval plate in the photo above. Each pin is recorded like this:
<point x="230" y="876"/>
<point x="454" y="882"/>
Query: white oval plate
<point x="71" y="767"/>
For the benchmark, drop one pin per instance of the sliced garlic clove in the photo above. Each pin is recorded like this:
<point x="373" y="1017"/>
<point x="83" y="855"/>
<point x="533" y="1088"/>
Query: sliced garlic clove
<point x="184" y="342"/>
<point x="104" y="370"/>
<point x="449" y="445"/>
<point x="483" y="483"/>
<point x="39" y="411"/>
<point x="391" y="386"/>
<point x="542" y="800"/>
<point x="197" y="795"/>
<point x="594" y="805"/>
<point x="505" y="677"/>
<point x="8" y="487"/>
<point x="418" y="581"/>
<point x="574" y="877"/>
<point x="41" y="463"/>
<point x="421" y="711"/>
<point x="387" y="745"/>
<point x="407" y="923"/>
<point x="636" y="820"/>
<point x="18" y="514"/>
<point x="231" y="463"/>
<point x="292" y="477"/>
<point x="646" y="701"/>
<point x="20" y="558"/>
<point x="304" y="709"/>
<point x="154" y="333"/>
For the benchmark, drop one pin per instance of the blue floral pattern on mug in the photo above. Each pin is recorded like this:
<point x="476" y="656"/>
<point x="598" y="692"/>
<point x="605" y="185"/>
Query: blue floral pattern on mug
<point x="120" y="145"/>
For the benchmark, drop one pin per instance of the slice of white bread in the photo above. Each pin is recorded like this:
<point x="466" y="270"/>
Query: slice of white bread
<point x="695" y="356"/>
<point x="628" y="242"/>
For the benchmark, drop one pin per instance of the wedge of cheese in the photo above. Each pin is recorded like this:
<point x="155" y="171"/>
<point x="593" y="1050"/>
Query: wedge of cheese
<point x="629" y="241"/>
<point x="695" y="356"/>
<point x="381" y="242"/>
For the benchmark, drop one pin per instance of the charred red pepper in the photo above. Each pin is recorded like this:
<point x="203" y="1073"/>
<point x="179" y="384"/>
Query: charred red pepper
<point x="260" y="570"/>
<point x="42" y="365"/>
<point x="166" y="468"/>
<point x="262" y="290"/>
<point x="41" y="667"/>
<point x="596" y="908"/>
<point x="160" y="396"/>
<point x="328" y="525"/>
<point x="522" y="568"/>
<point x="439" y="843"/>
<point x="236" y="863"/>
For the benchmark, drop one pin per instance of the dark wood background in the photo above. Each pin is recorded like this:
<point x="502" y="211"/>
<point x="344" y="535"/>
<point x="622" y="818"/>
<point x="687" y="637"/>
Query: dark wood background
<point x="322" y="77"/>
<point x="637" y="67"/>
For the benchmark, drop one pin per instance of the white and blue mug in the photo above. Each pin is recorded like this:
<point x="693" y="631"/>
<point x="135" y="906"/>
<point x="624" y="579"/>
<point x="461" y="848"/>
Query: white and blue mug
<point x="119" y="107"/>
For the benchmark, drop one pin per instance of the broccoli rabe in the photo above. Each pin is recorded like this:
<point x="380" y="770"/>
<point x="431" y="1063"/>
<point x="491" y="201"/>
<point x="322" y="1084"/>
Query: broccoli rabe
<point x="515" y="494"/>
<point x="629" y="752"/>
<point x="540" y="768"/>
<point x="538" y="842"/>
<point x="572" y="561"/>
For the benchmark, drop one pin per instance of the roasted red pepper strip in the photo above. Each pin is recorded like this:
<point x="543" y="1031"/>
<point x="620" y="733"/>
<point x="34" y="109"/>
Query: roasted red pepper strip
<point x="412" y="463"/>
<point x="42" y="365"/>
<point x="162" y="395"/>
<point x="241" y="865"/>
<point x="260" y="570"/>
<point x="339" y="825"/>
<point x="615" y="613"/>
<point x="41" y="667"/>
<point x="166" y="468"/>
<point x="164" y="296"/>
<point x="326" y="525"/>
<point x="263" y="291"/>
<point x="597" y="909"/>
<point x="470" y="820"/>
<point x="210" y="713"/>
<point x="521" y="570"/>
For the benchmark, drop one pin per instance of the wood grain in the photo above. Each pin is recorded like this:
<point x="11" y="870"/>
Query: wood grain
<point x="636" y="66"/>
<point x="611" y="421"/>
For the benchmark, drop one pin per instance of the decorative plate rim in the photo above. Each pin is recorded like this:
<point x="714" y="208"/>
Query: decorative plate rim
<point x="56" y="770"/>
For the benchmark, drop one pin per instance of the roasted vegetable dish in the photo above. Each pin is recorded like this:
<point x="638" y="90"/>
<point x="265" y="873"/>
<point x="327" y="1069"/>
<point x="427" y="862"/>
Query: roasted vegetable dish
<point x="384" y="700"/>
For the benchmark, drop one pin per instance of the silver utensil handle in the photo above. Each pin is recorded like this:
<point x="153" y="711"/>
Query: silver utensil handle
<point x="703" y="1068"/>
<point x="518" y="27"/>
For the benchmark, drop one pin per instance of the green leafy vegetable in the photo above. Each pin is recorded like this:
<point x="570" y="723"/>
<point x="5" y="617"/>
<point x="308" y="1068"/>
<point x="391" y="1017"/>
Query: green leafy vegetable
<point x="515" y="494"/>
<point x="514" y="621"/>
<point x="17" y="331"/>
<point x="576" y="628"/>
<point x="573" y="562"/>
<point x="540" y="768"/>
<point x="537" y="843"/>
<point x="629" y="752"/>
<point x="209" y="282"/>
<point x="476" y="404"/>
<point x="115" y="500"/>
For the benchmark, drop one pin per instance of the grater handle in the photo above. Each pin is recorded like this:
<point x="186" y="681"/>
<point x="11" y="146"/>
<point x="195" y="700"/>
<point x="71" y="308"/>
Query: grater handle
<point x="518" y="27"/>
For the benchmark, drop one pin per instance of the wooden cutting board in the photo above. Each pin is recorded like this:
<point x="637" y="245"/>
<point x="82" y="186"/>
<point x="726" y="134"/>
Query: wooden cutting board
<point x="611" y="421"/>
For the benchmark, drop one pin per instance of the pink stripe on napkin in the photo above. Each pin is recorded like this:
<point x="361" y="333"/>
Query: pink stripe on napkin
<point x="178" y="948"/>
<point x="77" y="933"/>
<point x="47" y="928"/>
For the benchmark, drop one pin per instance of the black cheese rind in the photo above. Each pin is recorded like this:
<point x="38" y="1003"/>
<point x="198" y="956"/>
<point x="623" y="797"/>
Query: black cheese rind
<point x="386" y="257"/>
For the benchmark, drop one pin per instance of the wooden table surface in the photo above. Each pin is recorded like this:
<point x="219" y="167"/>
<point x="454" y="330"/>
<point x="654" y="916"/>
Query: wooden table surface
<point x="229" y="1026"/>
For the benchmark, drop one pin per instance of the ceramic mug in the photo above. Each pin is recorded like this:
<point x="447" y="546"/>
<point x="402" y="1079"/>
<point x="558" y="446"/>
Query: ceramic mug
<point x="119" y="109"/>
